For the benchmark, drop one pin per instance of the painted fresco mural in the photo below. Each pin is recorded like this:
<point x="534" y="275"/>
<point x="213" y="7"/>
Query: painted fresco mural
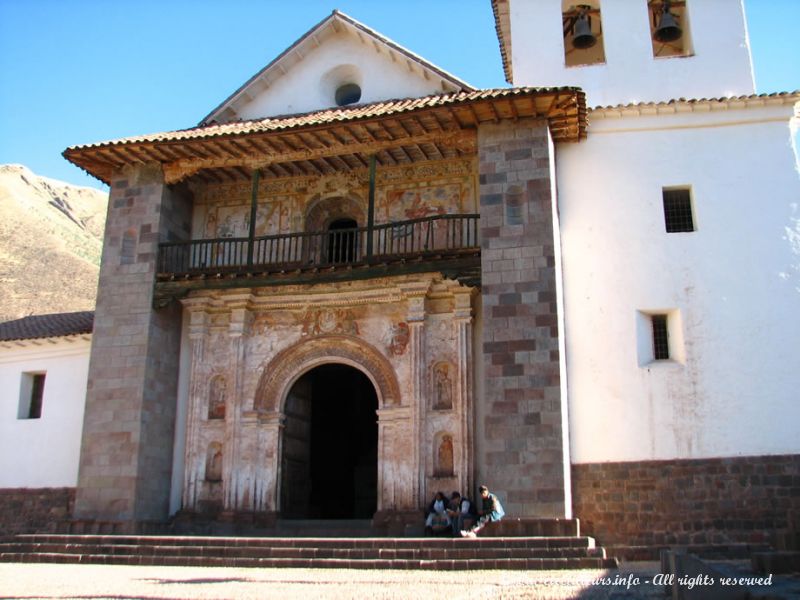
<point x="402" y="193"/>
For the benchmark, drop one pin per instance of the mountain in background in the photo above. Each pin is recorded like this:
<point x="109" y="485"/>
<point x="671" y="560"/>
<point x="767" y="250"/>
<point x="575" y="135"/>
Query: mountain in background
<point x="51" y="237"/>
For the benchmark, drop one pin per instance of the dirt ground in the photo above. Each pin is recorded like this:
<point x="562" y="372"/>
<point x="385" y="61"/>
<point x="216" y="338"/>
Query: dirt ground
<point x="96" y="582"/>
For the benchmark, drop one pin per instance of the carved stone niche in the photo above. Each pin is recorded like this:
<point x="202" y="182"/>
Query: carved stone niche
<point x="442" y="386"/>
<point x="214" y="462"/>
<point x="443" y="457"/>
<point x="216" y="398"/>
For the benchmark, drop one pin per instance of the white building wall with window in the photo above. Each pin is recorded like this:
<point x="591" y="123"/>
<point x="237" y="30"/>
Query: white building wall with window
<point x="43" y="452"/>
<point x="730" y="289"/>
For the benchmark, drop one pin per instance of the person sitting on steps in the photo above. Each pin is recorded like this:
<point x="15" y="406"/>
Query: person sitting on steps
<point x="436" y="519"/>
<point x="491" y="511"/>
<point x="461" y="511"/>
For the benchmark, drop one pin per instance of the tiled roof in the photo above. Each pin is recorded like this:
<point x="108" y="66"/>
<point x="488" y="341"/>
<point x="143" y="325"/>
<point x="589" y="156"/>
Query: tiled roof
<point x="749" y="100"/>
<point x="328" y="116"/>
<point x="502" y="26"/>
<point x="47" y="326"/>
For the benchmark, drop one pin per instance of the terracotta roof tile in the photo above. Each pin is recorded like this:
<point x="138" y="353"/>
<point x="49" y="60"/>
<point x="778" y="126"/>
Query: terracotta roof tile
<point x="326" y="116"/>
<point x="47" y="326"/>
<point x="692" y="103"/>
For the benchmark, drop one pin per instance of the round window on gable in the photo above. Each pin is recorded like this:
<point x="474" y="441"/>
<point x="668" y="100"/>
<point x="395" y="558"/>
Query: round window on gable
<point x="349" y="93"/>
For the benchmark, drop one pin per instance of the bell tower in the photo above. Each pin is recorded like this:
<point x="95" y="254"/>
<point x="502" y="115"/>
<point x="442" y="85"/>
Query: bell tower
<point x="627" y="51"/>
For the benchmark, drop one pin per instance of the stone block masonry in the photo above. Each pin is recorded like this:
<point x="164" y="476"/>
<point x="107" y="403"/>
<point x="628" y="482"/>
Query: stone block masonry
<point x="712" y="501"/>
<point x="126" y="453"/>
<point x="520" y="444"/>
<point x="34" y="510"/>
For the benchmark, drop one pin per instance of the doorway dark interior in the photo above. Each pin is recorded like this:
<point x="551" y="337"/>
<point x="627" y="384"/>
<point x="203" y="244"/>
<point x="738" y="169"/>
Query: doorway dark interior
<point x="342" y="241"/>
<point x="330" y="446"/>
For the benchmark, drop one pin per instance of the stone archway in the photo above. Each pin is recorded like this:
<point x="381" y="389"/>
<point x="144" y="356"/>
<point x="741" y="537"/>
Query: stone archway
<point x="289" y="364"/>
<point x="322" y="212"/>
<point x="394" y="460"/>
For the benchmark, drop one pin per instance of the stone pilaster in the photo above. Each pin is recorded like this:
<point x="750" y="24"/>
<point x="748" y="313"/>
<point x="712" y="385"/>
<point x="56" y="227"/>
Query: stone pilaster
<point x="126" y="452"/>
<point x="232" y="467"/>
<point x="464" y="387"/>
<point x="416" y="324"/>
<point x="522" y="450"/>
<point x="192" y="461"/>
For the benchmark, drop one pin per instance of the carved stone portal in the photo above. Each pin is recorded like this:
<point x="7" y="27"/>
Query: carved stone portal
<point x="387" y="329"/>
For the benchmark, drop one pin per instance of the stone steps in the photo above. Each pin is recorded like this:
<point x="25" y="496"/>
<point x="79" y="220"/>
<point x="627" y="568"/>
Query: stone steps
<point x="362" y="553"/>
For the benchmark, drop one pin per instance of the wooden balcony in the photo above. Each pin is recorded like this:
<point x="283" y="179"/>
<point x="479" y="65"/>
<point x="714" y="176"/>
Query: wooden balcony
<point x="447" y="243"/>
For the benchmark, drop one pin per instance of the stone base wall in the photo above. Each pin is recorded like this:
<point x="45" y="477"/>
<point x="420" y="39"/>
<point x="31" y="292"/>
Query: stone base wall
<point x="33" y="510"/>
<point x="720" y="501"/>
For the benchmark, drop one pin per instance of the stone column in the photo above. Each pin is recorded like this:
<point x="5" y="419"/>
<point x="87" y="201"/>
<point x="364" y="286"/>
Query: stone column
<point x="232" y="469"/>
<point x="126" y="451"/>
<point x="522" y="450"/>
<point x="464" y="386"/>
<point x="416" y="355"/>
<point x="194" y="456"/>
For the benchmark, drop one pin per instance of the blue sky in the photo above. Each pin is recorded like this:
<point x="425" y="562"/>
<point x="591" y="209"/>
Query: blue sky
<point x="80" y="71"/>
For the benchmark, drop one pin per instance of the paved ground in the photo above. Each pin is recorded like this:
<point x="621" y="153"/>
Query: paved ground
<point x="97" y="582"/>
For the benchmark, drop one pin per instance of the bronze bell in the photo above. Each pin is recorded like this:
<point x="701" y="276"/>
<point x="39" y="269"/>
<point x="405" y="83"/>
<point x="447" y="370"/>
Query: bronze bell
<point x="668" y="29"/>
<point x="582" y="37"/>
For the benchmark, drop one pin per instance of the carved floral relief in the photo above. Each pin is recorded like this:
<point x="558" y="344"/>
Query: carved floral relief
<point x="329" y="320"/>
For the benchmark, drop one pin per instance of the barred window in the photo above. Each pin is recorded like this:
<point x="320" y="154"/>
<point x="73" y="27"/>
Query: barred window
<point x="660" y="337"/>
<point x="678" y="211"/>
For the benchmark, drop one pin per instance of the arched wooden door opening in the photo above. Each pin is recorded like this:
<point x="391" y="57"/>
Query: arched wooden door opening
<point x="329" y="466"/>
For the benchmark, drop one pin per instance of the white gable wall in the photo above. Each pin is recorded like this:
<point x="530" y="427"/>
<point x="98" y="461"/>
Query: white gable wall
<point x="735" y="283"/>
<point x="305" y="86"/>
<point x="719" y="66"/>
<point x="44" y="452"/>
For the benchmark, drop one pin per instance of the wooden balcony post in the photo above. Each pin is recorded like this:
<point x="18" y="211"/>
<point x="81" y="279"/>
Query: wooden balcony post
<point x="251" y="236"/>
<point x="371" y="207"/>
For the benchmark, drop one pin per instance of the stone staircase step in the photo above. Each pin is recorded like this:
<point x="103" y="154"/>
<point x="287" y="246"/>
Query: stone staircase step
<point x="562" y="552"/>
<point x="213" y="561"/>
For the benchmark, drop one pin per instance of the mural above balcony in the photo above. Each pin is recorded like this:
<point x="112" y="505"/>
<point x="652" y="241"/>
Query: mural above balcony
<point x="234" y="221"/>
<point x="416" y="203"/>
<point x="403" y="193"/>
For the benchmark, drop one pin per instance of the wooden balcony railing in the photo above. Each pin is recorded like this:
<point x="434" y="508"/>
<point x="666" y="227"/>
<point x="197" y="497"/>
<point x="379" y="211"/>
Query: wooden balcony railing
<point x="416" y="238"/>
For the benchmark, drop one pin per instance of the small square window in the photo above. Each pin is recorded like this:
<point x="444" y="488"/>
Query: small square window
<point x="678" y="210"/>
<point x="31" y="394"/>
<point x="660" y="337"/>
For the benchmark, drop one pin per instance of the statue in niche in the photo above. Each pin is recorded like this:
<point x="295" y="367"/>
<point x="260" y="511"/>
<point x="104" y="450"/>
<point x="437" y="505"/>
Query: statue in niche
<point x="214" y="462"/>
<point x="216" y="398"/>
<point x="443" y="387"/>
<point x="398" y="338"/>
<point x="444" y="457"/>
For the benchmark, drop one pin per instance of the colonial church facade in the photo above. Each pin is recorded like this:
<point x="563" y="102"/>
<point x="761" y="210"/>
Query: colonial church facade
<point x="361" y="280"/>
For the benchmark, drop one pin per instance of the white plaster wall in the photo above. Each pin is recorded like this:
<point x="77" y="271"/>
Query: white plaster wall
<point x="305" y="88"/>
<point x="735" y="282"/>
<point x="720" y="65"/>
<point x="43" y="452"/>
